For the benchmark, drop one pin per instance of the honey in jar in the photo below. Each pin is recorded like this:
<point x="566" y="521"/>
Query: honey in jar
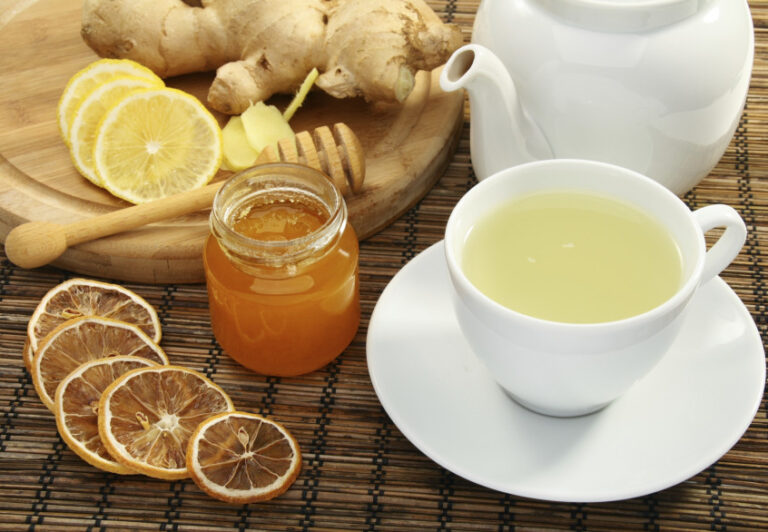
<point x="281" y="267"/>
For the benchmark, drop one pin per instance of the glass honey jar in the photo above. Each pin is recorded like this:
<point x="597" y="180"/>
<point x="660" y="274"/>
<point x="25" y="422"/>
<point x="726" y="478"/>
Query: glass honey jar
<point x="281" y="267"/>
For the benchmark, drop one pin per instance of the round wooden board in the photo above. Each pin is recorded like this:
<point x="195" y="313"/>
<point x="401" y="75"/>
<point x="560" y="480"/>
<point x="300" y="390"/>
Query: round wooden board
<point x="407" y="147"/>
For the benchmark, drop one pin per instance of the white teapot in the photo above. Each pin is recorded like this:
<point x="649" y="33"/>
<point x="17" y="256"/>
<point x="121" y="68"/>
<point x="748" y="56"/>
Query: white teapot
<point x="657" y="86"/>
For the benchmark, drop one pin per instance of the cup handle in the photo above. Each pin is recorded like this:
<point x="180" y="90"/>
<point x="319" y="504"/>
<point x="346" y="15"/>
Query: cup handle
<point x="727" y="247"/>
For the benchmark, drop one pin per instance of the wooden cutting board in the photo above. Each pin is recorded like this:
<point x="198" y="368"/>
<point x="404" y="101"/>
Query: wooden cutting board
<point x="407" y="147"/>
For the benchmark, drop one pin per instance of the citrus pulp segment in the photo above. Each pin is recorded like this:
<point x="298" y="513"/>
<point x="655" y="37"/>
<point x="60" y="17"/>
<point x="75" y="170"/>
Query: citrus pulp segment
<point x="81" y="340"/>
<point x="85" y="297"/>
<point x="86" y="79"/>
<point x="156" y="143"/>
<point x="240" y="457"/>
<point x="88" y="116"/>
<point x="76" y="407"/>
<point x="147" y="416"/>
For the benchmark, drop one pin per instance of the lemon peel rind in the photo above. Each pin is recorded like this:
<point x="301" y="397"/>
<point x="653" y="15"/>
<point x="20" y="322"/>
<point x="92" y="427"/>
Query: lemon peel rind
<point x="26" y="354"/>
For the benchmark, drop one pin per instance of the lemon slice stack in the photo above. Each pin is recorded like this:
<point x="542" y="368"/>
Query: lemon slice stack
<point x="130" y="134"/>
<point x="86" y="80"/>
<point x="93" y="353"/>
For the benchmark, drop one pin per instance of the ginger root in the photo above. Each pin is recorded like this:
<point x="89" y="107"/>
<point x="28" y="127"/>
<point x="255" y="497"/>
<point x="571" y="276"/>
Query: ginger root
<point x="368" y="48"/>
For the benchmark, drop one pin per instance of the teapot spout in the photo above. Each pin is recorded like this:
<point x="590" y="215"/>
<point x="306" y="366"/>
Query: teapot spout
<point x="501" y="132"/>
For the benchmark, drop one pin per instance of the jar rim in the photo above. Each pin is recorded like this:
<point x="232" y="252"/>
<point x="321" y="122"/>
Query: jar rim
<point x="277" y="178"/>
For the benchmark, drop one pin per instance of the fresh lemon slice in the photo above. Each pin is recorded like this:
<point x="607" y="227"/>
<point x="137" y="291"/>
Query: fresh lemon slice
<point x="87" y="79"/>
<point x="156" y="143"/>
<point x="83" y="131"/>
<point x="240" y="457"/>
<point x="76" y="407"/>
<point x="147" y="416"/>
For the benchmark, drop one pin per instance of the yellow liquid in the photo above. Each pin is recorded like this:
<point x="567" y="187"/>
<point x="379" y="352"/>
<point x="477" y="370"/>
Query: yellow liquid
<point x="573" y="257"/>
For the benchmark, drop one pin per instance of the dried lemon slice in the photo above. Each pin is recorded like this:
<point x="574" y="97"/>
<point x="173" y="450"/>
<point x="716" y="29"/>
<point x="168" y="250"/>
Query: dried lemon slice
<point x="80" y="340"/>
<point x="147" y="416"/>
<point x="156" y="143"/>
<point x="85" y="297"/>
<point x="82" y="134"/>
<point x="239" y="457"/>
<point x="87" y="79"/>
<point x="76" y="407"/>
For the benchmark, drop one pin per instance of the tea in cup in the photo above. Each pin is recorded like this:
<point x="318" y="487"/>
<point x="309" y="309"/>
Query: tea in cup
<point x="571" y="277"/>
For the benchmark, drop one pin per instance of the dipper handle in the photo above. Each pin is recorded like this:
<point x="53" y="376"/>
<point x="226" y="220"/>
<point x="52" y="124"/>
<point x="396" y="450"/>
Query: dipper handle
<point x="339" y="155"/>
<point x="34" y="244"/>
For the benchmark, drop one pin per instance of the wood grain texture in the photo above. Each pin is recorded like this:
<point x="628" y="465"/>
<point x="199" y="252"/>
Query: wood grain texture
<point x="407" y="147"/>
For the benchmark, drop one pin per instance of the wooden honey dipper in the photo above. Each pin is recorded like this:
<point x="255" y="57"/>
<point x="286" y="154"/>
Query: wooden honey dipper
<point x="339" y="155"/>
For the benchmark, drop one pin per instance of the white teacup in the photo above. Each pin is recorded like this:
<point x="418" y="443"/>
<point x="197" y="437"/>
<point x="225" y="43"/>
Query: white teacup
<point x="567" y="369"/>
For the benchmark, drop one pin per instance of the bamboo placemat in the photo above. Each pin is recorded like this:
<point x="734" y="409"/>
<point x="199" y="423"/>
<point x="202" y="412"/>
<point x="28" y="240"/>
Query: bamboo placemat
<point x="359" y="472"/>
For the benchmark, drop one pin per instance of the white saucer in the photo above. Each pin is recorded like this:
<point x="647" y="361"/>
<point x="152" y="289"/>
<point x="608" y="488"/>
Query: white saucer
<point x="674" y="423"/>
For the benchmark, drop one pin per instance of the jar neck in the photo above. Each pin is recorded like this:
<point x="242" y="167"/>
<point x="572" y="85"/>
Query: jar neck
<point x="270" y="184"/>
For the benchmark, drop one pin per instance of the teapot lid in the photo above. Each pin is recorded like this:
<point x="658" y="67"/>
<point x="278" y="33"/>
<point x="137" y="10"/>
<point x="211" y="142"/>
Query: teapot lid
<point x="623" y="15"/>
